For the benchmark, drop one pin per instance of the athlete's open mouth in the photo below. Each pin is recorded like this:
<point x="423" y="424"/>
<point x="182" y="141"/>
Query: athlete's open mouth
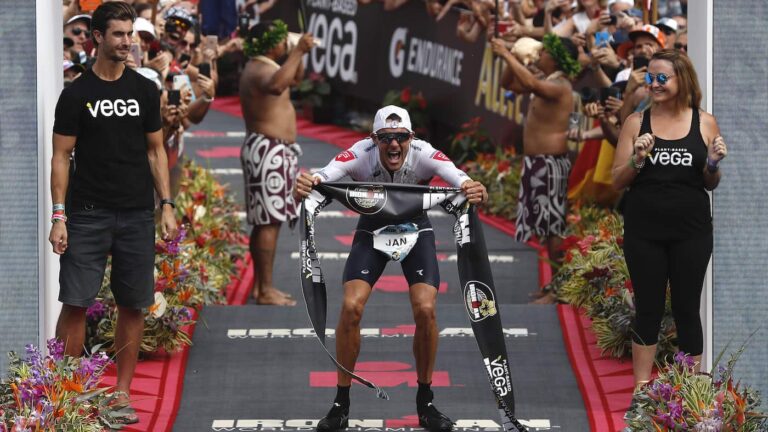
<point x="394" y="156"/>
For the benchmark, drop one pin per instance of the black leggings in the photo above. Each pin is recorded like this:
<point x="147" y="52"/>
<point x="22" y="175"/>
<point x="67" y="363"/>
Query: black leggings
<point x="683" y="263"/>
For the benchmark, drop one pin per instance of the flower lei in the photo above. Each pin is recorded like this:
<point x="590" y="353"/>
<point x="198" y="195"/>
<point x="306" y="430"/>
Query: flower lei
<point x="557" y="50"/>
<point x="259" y="46"/>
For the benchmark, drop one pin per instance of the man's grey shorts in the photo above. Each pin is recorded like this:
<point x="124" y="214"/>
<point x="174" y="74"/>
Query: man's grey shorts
<point x="95" y="233"/>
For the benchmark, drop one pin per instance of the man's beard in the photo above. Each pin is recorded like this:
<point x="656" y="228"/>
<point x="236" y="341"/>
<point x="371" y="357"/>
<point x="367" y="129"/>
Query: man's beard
<point x="280" y="60"/>
<point x="118" y="59"/>
<point x="115" y="57"/>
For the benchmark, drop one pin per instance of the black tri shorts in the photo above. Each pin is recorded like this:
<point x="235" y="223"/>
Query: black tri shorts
<point x="128" y="235"/>
<point x="367" y="263"/>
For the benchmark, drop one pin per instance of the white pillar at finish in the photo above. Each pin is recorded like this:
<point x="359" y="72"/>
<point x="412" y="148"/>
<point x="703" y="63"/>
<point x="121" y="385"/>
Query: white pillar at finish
<point x="700" y="43"/>
<point x="50" y="78"/>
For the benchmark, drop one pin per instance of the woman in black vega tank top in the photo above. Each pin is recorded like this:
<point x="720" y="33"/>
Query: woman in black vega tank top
<point x="667" y="158"/>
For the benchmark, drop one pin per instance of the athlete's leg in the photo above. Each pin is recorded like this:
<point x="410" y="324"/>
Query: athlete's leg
<point x="423" y="275"/>
<point x="423" y="300"/>
<point x="356" y="294"/>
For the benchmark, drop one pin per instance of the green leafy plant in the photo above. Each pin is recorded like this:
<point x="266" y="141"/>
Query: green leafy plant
<point x="313" y="90"/>
<point x="470" y="141"/>
<point x="500" y="173"/>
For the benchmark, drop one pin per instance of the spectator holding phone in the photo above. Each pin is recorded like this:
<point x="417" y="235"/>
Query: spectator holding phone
<point x="667" y="158"/>
<point x="604" y="62"/>
<point x="178" y="21"/>
<point x="646" y="40"/>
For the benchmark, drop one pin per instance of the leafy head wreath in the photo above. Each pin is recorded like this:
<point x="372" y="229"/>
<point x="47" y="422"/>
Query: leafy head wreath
<point x="559" y="52"/>
<point x="259" y="46"/>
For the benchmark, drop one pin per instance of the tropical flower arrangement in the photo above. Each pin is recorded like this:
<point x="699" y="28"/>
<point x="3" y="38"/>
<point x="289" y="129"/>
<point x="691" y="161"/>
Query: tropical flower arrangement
<point x="500" y="172"/>
<point x="470" y="141"/>
<point x="680" y="399"/>
<point x="313" y="90"/>
<point x="56" y="392"/>
<point x="416" y="106"/>
<point x="594" y="277"/>
<point x="191" y="270"/>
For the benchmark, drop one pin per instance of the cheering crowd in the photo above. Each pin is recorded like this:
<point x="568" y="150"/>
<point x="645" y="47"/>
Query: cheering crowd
<point x="169" y="49"/>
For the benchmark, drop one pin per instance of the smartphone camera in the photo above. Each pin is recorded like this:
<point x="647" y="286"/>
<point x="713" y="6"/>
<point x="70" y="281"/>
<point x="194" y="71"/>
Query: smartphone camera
<point x="639" y="62"/>
<point x="174" y="97"/>
<point x="243" y="21"/>
<point x="589" y="95"/>
<point x="607" y="92"/>
<point x="204" y="69"/>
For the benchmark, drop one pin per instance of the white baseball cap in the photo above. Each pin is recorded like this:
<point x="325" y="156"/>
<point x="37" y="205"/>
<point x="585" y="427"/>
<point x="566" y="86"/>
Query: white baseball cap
<point x="68" y="64"/>
<point x="143" y="25"/>
<point x="669" y="23"/>
<point x="81" y="17"/>
<point x="380" y="120"/>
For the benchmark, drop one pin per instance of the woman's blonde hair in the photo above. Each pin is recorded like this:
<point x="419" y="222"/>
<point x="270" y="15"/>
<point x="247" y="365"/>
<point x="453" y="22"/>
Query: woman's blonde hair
<point x="689" y="92"/>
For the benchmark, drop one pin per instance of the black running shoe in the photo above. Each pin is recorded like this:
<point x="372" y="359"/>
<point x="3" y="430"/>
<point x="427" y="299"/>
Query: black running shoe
<point x="336" y="419"/>
<point x="433" y="420"/>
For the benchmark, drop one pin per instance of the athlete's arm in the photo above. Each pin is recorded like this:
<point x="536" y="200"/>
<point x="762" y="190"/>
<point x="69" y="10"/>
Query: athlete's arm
<point x="345" y="163"/>
<point x="434" y="162"/>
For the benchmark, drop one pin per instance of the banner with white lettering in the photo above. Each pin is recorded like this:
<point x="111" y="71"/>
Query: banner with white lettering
<point x="401" y="203"/>
<point x="368" y="51"/>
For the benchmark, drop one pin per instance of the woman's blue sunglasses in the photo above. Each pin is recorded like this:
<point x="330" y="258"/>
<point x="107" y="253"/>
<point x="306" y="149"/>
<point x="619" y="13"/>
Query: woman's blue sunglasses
<point x="660" y="78"/>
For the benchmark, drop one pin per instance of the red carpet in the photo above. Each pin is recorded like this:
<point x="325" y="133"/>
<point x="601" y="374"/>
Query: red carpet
<point x="605" y="383"/>
<point x="156" y="387"/>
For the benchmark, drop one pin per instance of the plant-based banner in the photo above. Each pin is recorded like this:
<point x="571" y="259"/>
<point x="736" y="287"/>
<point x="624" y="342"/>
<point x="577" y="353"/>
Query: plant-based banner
<point x="367" y="51"/>
<point x="401" y="203"/>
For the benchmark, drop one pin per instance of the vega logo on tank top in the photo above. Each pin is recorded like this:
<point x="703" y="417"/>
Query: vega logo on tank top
<point x="117" y="107"/>
<point x="675" y="156"/>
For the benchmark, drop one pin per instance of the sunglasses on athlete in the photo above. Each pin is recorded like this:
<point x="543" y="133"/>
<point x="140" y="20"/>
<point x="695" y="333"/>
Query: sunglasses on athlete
<point x="387" y="138"/>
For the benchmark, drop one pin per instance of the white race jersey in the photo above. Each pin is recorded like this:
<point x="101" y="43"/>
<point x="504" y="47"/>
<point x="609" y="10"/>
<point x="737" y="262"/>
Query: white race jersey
<point x="362" y="163"/>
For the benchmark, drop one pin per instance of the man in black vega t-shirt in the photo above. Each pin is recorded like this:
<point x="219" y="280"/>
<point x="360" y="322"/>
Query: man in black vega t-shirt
<point x="110" y="118"/>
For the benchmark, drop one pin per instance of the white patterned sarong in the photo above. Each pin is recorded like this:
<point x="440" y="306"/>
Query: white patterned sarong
<point x="270" y="167"/>
<point x="542" y="202"/>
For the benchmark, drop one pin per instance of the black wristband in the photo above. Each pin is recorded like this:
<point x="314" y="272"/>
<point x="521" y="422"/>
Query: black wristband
<point x="168" y="201"/>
